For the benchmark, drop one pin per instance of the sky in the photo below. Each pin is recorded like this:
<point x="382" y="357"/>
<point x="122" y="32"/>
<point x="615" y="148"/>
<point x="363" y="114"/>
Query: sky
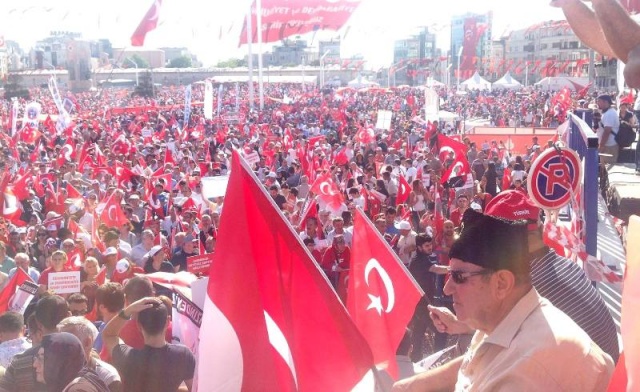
<point x="210" y="28"/>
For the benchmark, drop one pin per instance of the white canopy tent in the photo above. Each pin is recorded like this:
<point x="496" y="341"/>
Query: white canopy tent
<point x="361" y="83"/>
<point x="507" y="82"/>
<point x="551" y="83"/>
<point x="476" y="82"/>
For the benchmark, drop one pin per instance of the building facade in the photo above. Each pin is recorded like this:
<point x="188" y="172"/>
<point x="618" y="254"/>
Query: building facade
<point x="415" y="58"/>
<point x="154" y="57"/>
<point x="545" y="49"/>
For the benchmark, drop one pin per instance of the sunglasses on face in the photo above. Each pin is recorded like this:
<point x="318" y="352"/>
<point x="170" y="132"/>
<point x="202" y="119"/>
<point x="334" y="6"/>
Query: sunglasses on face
<point x="461" y="277"/>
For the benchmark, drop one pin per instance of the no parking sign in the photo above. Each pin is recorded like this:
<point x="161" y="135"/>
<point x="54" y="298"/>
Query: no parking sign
<point x="553" y="177"/>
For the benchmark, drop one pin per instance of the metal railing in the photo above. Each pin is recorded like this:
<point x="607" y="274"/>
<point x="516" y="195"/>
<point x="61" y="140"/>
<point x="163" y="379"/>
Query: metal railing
<point x="584" y="141"/>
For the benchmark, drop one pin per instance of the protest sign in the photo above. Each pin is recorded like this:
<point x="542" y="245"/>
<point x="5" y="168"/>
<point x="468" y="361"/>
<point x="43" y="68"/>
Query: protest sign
<point x="64" y="282"/>
<point x="199" y="263"/>
<point x="23" y="296"/>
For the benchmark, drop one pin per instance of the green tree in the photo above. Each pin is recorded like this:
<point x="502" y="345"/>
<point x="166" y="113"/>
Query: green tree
<point x="145" y="86"/>
<point x="180" y="62"/>
<point x="14" y="88"/>
<point x="231" y="63"/>
<point x="136" y="58"/>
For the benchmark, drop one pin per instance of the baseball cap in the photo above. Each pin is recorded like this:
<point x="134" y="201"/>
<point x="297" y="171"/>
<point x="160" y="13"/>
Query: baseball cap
<point x="110" y="251"/>
<point x="272" y="175"/>
<point x="403" y="225"/>
<point x="153" y="251"/>
<point x="512" y="205"/>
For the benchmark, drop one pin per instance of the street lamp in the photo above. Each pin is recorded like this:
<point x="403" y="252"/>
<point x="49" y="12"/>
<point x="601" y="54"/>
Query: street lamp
<point x="394" y="74"/>
<point x="135" y="65"/>
<point x="459" y="55"/>
<point x="322" y="67"/>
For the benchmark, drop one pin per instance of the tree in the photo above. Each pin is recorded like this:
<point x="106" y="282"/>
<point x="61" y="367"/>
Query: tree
<point x="142" y="63"/>
<point x="145" y="86"/>
<point x="231" y="63"/>
<point x="14" y="88"/>
<point x="180" y="62"/>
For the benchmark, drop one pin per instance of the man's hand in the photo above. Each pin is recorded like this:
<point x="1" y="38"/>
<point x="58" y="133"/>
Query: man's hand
<point x="447" y="322"/>
<point x="141" y="304"/>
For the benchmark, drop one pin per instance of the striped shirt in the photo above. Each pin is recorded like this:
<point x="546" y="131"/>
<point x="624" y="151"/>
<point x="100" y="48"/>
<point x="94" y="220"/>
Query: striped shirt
<point x="565" y="285"/>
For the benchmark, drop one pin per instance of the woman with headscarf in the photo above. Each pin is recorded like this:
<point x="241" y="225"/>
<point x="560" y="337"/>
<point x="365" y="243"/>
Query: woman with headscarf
<point x="60" y="364"/>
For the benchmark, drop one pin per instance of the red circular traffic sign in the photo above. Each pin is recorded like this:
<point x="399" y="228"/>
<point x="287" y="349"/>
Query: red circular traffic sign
<point x="553" y="177"/>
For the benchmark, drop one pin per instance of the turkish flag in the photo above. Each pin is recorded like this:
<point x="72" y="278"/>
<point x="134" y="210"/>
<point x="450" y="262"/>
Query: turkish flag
<point x="168" y="157"/>
<point x="403" y="190"/>
<point x="124" y="175"/>
<point x="327" y="190"/>
<point x="10" y="289"/>
<point x="365" y="136"/>
<point x="147" y="24"/>
<point x="21" y="186"/>
<point x="75" y="258"/>
<point x="67" y="153"/>
<point x="271" y="319"/>
<point x="382" y="296"/>
<point x="460" y="166"/>
<point x="112" y="214"/>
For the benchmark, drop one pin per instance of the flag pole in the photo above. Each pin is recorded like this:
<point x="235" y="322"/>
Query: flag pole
<point x="259" y="28"/>
<point x="249" y="60"/>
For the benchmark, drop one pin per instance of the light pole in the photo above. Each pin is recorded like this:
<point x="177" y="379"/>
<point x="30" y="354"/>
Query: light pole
<point x="459" y="55"/>
<point x="394" y="74"/>
<point x="135" y="65"/>
<point x="449" y="75"/>
<point x="322" y="67"/>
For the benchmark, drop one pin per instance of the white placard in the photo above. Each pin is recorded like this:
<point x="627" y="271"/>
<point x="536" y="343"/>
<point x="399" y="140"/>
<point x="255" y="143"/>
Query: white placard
<point x="252" y="158"/>
<point x="64" y="282"/>
<point x="384" y="119"/>
<point x="214" y="186"/>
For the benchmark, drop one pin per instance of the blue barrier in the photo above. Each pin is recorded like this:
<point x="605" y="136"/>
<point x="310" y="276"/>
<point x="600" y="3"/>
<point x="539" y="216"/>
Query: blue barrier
<point x="584" y="141"/>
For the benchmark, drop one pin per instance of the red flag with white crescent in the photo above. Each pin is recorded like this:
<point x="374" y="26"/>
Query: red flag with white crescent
<point x="327" y="190"/>
<point x="382" y="294"/>
<point x="112" y="214"/>
<point x="404" y="190"/>
<point x="147" y="24"/>
<point x="272" y="321"/>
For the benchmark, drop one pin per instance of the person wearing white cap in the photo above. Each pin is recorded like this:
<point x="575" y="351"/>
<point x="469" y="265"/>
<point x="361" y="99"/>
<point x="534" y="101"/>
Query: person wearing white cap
<point x="407" y="242"/>
<point x="110" y="258"/>
<point x="155" y="261"/>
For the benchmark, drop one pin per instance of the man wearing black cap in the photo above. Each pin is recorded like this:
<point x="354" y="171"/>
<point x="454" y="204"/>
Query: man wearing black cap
<point x="522" y="342"/>
<point x="607" y="130"/>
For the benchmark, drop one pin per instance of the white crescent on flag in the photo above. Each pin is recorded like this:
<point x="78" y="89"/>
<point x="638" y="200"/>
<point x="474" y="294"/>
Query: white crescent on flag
<point x="376" y="301"/>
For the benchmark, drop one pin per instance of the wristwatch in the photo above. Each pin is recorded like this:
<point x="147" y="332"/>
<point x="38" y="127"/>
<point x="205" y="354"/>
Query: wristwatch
<point x="123" y="316"/>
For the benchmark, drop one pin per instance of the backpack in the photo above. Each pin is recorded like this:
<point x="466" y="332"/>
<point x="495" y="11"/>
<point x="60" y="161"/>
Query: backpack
<point x="625" y="136"/>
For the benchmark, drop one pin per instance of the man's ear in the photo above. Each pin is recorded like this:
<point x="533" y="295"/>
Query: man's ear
<point x="503" y="282"/>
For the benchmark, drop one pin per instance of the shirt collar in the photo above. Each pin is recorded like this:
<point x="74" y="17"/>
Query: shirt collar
<point x="506" y="331"/>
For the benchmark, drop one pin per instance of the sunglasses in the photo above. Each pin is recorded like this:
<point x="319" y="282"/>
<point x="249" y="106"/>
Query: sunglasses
<point x="461" y="277"/>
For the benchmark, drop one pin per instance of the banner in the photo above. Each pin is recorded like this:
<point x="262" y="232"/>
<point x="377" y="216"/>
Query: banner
<point x="23" y="296"/>
<point x="186" y="318"/>
<point x="15" y="108"/>
<point x="472" y="34"/>
<point x="31" y="114"/>
<point x="431" y="105"/>
<point x="284" y="18"/>
<point x="63" y="119"/>
<point x="384" y="119"/>
<point x="219" y="99"/>
<point x="208" y="100"/>
<point x="187" y="106"/>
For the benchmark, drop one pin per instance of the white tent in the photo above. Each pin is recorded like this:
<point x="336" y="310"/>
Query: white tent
<point x="359" y="82"/>
<point x="507" y="82"/>
<point x="476" y="82"/>
<point x="551" y="83"/>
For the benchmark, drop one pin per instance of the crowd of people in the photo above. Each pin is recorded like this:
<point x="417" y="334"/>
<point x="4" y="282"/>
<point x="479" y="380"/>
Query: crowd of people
<point x="319" y="158"/>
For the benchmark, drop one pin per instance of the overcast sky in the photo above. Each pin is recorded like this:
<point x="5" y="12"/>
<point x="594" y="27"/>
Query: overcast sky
<point x="197" y="24"/>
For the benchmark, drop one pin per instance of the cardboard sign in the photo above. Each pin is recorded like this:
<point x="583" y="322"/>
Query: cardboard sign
<point x="64" y="282"/>
<point x="199" y="263"/>
<point x="252" y="158"/>
<point x="384" y="119"/>
<point x="214" y="186"/>
<point x="23" y="296"/>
